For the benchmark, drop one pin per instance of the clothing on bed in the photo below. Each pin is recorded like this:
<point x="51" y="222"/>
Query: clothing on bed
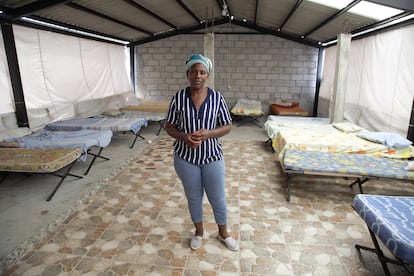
<point x="99" y="123"/>
<point x="83" y="139"/>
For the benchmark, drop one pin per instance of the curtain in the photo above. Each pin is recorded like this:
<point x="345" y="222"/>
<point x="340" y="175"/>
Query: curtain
<point x="380" y="86"/>
<point x="66" y="76"/>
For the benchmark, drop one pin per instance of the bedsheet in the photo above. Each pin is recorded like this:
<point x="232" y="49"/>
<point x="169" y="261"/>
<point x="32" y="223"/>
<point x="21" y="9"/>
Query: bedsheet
<point x="36" y="160"/>
<point x="274" y="124"/>
<point x="391" y="218"/>
<point x="99" y="123"/>
<point x="83" y="139"/>
<point x="333" y="141"/>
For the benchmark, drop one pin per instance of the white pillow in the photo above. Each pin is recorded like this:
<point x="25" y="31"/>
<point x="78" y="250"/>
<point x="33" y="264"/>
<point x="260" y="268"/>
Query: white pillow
<point x="391" y="140"/>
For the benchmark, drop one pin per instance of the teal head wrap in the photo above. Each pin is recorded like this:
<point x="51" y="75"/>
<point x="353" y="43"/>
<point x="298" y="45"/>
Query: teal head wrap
<point x="197" y="58"/>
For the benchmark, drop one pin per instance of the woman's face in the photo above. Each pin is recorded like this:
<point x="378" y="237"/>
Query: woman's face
<point x="197" y="76"/>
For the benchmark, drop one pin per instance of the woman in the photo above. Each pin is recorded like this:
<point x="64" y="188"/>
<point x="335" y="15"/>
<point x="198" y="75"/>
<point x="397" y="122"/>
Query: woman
<point x="197" y="118"/>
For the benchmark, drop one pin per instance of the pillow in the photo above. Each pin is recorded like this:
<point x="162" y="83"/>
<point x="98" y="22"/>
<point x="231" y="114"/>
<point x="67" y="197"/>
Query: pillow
<point x="391" y="140"/>
<point x="346" y="127"/>
<point x="9" y="133"/>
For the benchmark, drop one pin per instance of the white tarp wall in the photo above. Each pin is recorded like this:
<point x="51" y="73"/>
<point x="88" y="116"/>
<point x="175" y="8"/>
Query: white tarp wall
<point x="6" y="93"/>
<point x="65" y="76"/>
<point x="380" y="86"/>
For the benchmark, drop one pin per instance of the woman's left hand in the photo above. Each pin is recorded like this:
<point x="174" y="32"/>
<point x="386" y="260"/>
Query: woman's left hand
<point x="200" y="135"/>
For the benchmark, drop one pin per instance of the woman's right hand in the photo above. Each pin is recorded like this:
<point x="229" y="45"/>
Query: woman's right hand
<point x="191" y="141"/>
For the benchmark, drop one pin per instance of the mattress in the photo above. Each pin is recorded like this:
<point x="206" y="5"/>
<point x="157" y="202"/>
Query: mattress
<point x="99" y="123"/>
<point x="148" y="106"/>
<point x="36" y="160"/>
<point x="287" y="110"/>
<point x="391" y="218"/>
<point x="314" y="162"/>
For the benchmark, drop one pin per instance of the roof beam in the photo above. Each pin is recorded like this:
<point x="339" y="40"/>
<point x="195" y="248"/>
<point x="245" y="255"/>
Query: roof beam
<point x="407" y="5"/>
<point x="255" y="11"/>
<point x="34" y="7"/>
<point x="98" y="14"/>
<point x="150" y="13"/>
<point x="377" y="27"/>
<point x="190" y="12"/>
<point x="332" y="17"/>
<point x="205" y="24"/>
<point x="292" y="11"/>
<point x="284" y="35"/>
<point x="78" y="32"/>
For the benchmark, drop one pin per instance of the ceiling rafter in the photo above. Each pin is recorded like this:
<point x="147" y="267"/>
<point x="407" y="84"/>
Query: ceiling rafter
<point x="78" y="30"/>
<point x="34" y="7"/>
<point x="381" y="23"/>
<point x="190" y="12"/>
<point x="255" y="11"/>
<point x="271" y="31"/>
<point x="332" y="17"/>
<point x="28" y="9"/>
<point x="150" y="13"/>
<point x="250" y="16"/>
<point x="292" y="11"/>
<point x="203" y="25"/>
<point x="106" y="17"/>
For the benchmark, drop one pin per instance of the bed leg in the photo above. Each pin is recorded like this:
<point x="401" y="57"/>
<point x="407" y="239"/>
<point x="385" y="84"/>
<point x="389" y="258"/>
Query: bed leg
<point x="359" y="182"/>
<point x="161" y="126"/>
<point x="135" y="139"/>
<point x="288" y="180"/>
<point x="95" y="155"/>
<point x="62" y="178"/>
<point x="381" y="257"/>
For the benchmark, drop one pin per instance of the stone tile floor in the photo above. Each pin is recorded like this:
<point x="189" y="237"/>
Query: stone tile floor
<point x="138" y="224"/>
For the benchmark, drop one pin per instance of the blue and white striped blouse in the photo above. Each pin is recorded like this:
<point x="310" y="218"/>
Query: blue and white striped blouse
<point x="213" y="113"/>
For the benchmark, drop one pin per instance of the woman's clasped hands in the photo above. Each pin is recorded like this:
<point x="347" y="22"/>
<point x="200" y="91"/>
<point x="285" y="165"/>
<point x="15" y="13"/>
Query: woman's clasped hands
<point x="196" y="138"/>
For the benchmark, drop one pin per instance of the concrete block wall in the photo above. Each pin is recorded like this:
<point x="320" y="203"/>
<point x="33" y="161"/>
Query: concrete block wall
<point x="261" y="67"/>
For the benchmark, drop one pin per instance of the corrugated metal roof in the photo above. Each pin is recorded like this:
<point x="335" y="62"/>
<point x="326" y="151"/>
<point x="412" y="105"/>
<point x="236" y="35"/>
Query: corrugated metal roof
<point x="140" y="21"/>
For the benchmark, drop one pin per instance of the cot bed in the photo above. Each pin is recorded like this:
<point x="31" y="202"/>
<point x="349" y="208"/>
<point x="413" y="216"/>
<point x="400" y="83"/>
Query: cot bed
<point x="154" y="111"/>
<point x="391" y="220"/>
<point x="101" y="123"/>
<point x="83" y="139"/>
<point x="247" y="110"/>
<point x="361" y="167"/>
<point x="56" y="162"/>
<point x="325" y="150"/>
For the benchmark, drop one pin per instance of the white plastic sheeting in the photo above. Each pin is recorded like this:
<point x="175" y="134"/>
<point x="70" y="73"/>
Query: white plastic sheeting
<point x="6" y="92"/>
<point x="380" y="86"/>
<point x="65" y="76"/>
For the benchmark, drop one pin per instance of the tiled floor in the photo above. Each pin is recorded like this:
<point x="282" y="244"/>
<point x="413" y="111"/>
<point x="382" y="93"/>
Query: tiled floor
<point x="138" y="224"/>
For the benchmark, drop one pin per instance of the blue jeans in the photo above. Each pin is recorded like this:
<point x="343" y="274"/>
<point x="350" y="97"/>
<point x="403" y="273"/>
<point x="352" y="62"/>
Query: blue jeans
<point x="199" y="178"/>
